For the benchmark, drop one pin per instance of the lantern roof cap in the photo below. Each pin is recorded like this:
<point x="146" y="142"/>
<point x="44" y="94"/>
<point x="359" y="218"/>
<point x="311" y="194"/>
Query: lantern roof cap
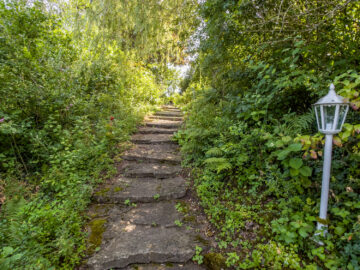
<point x="331" y="98"/>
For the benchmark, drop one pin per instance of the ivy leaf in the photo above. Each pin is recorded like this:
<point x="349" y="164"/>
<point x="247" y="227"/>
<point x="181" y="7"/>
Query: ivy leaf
<point x="296" y="163"/>
<point x="303" y="232"/>
<point x="305" y="171"/>
<point x="294" y="172"/>
<point x="279" y="143"/>
<point x="283" y="154"/>
<point x="337" y="141"/>
<point x="290" y="237"/>
<point x="295" y="147"/>
<point x="339" y="230"/>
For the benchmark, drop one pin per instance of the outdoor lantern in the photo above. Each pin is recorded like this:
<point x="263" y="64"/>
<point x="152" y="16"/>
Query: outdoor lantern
<point x="330" y="113"/>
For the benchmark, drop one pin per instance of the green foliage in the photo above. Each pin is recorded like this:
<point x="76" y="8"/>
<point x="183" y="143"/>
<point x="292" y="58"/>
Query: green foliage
<point x="198" y="258"/>
<point x="74" y="83"/>
<point x="251" y="136"/>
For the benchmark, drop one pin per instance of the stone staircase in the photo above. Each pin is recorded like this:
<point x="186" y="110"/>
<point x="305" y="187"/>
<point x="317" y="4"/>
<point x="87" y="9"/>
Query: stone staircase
<point x="139" y="224"/>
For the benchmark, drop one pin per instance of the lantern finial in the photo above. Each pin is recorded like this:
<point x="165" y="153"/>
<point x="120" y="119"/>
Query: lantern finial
<point x="332" y="87"/>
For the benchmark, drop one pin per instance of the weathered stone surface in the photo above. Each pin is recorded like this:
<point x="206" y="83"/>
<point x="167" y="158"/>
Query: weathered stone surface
<point x="142" y="190"/>
<point x="144" y="236"/>
<point x="163" y="124"/>
<point x="154" y="130"/>
<point x="170" y="118"/>
<point x="103" y="210"/>
<point x="154" y="153"/>
<point x="169" y="109"/>
<point x="142" y="169"/>
<point x="168" y="266"/>
<point x="128" y="244"/>
<point x="169" y="113"/>
<point x="161" y="213"/>
<point x="152" y="138"/>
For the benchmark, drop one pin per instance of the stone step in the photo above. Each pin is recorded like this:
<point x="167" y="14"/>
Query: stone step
<point x="152" y="138"/>
<point x="169" y="107"/>
<point x="141" y="190"/>
<point x="126" y="243"/>
<point x="161" y="213"/>
<point x="170" y="118"/>
<point x="171" y="110"/>
<point x="169" y="114"/>
<point x="166" y="266"/>
<point x="154" y="130"/>
<point x="154" y="153"/>
<point x="149" y="235"/>
<point x="163" y="124"/>
<point x="135" y="169"/>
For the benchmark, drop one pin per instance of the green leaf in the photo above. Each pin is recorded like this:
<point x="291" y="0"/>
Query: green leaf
<point x="339" y="230"/>
<point x="294" y="147"/>
<point x="305" y="171"/>
<point x="296" y="163"/>
<point x="294" y="172"/>
<point x="279" y="143"/>
<point x="283" y="154"/>
<point x="290" y="237"/>
<point x="303" y="232"/>
<point x="295" y="224"/>
<point x="6" y="251"/>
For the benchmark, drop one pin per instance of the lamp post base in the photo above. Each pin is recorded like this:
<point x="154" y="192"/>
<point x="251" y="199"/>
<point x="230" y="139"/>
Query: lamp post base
<point x="322" y="229"/>
<point x="325" y="183"/>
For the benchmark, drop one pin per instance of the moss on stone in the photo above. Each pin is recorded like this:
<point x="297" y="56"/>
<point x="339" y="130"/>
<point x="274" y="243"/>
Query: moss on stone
<point x="169" y="264"/>
<point x="97" y="228"/>
<point x="190" y="218"/>
<point x="185" y="208"/>
<point x="98" y="210"/>
<point x="117" y="189"/>
<point x="102" y="192"/>
<point x="214" y="261"/>
<point x="201" y="240"/>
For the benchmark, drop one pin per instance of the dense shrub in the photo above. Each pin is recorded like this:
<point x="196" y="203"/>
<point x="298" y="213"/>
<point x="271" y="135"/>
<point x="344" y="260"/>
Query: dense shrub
<point x="69" y="95"/>
<point x="252" y="135"/>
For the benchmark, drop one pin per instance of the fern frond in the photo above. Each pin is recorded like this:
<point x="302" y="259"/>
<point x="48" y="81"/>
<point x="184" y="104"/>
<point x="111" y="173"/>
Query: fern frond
<point x="302" y="123"/>
<point x="214" y="152"/>
<point x="218" y="164"/>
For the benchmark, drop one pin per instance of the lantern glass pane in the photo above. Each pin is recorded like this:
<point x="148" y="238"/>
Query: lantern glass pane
<point x="318" y="117"/>
<point x="329" y="115"/>
<point x="342" y="115"/>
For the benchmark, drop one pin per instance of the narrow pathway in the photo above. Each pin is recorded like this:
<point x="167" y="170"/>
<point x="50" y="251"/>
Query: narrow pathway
<point x="135" y="215"/>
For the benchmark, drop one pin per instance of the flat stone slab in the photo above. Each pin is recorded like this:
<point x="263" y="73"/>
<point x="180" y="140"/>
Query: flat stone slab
<point x="163" y="124"/>
<point x="126" y="244"/>
<point x="152" y="138"/>
<point x="168" y="266"/>
<point x="104" y="210"/>
<point x="169" y="113"/>
<point x="155" y="130"/>
<point x="136" y="169"/>
<point x="161" y="213"/>
<point x="139" y="206"/>
<point x="170" y="118"/>
<point x="141" y="190"/>
<point x="154" y="153"/>
<point x="164" y="108"/>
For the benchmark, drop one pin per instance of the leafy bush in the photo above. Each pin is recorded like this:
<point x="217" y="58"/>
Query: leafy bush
<point x="254" y="141"/>
<point x="68" y="98"/>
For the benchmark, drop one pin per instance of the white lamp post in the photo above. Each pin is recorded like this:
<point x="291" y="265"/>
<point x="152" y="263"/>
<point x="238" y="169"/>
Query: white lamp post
<point x="330" y="113"/>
